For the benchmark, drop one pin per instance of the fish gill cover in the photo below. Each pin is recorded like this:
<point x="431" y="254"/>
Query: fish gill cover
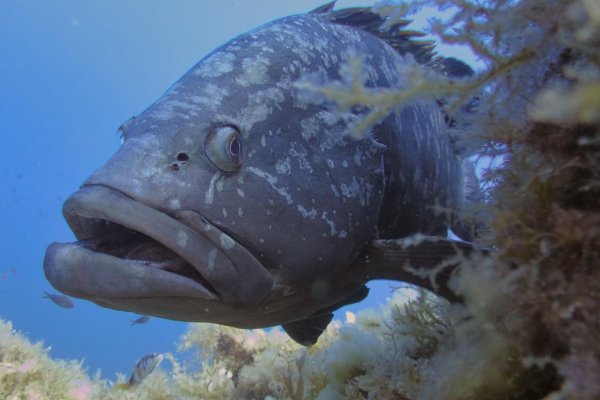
<point x="528" y="327"/>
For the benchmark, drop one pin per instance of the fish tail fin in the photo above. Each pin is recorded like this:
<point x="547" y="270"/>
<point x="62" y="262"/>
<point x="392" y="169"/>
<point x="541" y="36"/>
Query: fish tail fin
<point x="467" y="226"/>
<point x="472" y="192"/>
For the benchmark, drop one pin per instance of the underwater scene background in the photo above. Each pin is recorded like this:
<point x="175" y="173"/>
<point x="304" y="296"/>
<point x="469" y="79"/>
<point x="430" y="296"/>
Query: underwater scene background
<point x="71" y="72"/>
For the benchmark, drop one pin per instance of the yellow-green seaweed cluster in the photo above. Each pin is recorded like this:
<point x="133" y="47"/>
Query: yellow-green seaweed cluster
<point x="27" y="372"/>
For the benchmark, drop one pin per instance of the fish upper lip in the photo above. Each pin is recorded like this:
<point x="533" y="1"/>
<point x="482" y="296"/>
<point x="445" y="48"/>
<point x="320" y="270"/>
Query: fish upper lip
<point x="99" y="202"/>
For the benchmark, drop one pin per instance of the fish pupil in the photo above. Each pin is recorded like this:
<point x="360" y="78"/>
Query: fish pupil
<point x="234" y="147"/>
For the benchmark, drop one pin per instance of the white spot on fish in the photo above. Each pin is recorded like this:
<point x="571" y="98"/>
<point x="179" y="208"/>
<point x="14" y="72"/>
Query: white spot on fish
<point x="273" y="182"/>
<point x="226" y="242"/>
<point x="282" y="166"/>
<point x="219" y="185"/>
<point x="182" y="238"/>
<point x="210" y="192"/>
<point x="212" y="96"/>
<point x="263" y="141"/>
<point x="240" y="212"/>
<point x="168" y="109"/>
<point x="351" y="190"/>
<point x="241" y="193"/>
<point x="254" y="71"/>
<point x="212" y="256"/>
<point x="260" y="106"/>
<point x="174" y="204"/>
<point x="307" y="214"/>
<point x="216" y="65"/>
<point x="224" y="212"/>
<point x="332" y="230"/>
<point x="299" y="152"/>
<point x="334" y="190"/>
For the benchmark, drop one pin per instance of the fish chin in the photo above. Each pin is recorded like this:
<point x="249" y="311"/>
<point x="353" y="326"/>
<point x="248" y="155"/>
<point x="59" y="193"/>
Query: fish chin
<point x="128" y="251"/>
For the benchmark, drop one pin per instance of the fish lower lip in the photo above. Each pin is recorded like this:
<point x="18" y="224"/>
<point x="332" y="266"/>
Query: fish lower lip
<point x="84" y="273"/>
<point x="97" y="213"/>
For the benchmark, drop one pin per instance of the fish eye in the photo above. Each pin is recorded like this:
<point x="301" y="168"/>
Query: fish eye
<point x="224" y="148"/>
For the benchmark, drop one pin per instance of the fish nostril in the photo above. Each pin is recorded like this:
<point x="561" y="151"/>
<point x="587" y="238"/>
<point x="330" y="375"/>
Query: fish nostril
<point x="175" y="166"/>
<point x="182" y="157"/>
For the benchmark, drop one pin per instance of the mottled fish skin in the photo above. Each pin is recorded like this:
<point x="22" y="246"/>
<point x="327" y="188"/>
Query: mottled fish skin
<point x="275" y="240"/>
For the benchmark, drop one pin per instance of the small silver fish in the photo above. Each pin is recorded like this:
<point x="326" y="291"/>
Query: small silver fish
<point x="141" y="320"/>
<point x="59" y="300"/>
<point x="142" y="369"/>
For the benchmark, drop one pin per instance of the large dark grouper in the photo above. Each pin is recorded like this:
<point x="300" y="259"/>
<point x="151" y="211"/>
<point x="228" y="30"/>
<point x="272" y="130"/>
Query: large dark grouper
<point x="237" y="201"/>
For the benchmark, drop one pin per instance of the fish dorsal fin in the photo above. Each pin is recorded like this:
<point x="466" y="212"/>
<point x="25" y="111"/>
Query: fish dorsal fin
<point x="403" y="41"/>
<point x="307" y="331"/>
<point x="324" y="9"/>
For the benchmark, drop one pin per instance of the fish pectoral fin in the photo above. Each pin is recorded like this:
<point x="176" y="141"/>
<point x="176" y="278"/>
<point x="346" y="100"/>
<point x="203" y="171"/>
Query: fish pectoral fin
<point x="425" y="261"/>
<point x="307" y="331"/>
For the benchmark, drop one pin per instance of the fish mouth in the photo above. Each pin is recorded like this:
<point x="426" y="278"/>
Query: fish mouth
<point x="128" y="250"/>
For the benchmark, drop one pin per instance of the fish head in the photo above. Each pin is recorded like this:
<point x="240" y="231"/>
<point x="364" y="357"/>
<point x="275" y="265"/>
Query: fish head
<point x="232" y="199"/>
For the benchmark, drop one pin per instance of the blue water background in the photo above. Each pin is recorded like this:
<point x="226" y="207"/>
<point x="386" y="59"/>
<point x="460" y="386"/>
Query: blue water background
<point x="71" y="72"/>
